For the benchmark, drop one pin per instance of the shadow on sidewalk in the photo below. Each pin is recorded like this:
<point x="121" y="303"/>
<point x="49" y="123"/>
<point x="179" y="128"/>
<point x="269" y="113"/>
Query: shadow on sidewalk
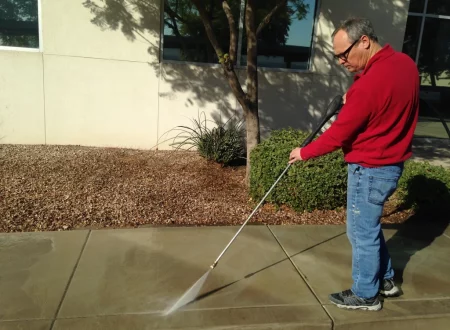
<point x="431" y="199"/>
<point x="264" y="268"/>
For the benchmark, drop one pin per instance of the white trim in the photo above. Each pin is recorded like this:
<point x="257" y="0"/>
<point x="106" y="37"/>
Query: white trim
<point x="20" y="49"/>
<point x="27" y="49"/>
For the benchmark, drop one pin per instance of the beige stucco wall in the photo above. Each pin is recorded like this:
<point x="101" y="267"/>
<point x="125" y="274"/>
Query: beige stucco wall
<point x="105" y="86"/>
<point x="388" y="18"/>
<point x="100" y="102"/>
<point x="68" y="30"/>
<point x="21" y="98"/>
<point x="191" y="92"/>
<point x="101" y="85"/>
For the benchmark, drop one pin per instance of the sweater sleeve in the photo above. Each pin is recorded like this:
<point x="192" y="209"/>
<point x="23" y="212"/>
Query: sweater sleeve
<point x="353" y="117"/>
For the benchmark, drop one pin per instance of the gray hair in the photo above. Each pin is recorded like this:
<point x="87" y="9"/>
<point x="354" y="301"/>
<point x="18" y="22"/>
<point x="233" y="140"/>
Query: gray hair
<point x="356" y="27"/>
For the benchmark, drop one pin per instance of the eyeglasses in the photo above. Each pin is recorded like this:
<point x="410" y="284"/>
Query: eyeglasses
<point x="344" y="55"/>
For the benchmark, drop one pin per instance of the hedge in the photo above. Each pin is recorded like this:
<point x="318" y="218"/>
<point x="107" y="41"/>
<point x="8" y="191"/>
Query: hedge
<point x="424" y="186"/>
<point x="321" y="183"/>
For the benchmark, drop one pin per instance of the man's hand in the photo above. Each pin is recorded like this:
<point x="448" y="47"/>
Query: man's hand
<point x="295" y="156"/>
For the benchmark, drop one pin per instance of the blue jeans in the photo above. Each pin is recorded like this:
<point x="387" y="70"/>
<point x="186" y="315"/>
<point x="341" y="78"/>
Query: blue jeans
<point x="367" y="191"/>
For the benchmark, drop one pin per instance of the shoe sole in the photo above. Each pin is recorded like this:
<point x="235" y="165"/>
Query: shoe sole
<point x="373" y="308"/>
<point x="390" y="293"/>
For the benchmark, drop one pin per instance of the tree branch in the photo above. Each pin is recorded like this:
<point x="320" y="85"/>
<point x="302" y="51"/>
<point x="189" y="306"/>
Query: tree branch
<point x="252" y="55"/>
<point x="268" y="17"/>
<point x="172" y="13"/>
<point x="228" y="70"/>
<point x="208" y="28"/>
<point x="233" y="33"/>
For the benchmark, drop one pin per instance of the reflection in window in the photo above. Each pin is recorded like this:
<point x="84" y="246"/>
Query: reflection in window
<point x="434" y="58"/>
<point x="19" y="25"/>
<point x="430" y="33"/>
<point x="412" y="32"/>
<point x="284" y="43"/>
<point x="185" y="38"/>
<point x="438" y="7"/>
<point x="416" y="6"/>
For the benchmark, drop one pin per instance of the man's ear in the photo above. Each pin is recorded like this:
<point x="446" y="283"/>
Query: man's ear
<point x="366" y="42"/>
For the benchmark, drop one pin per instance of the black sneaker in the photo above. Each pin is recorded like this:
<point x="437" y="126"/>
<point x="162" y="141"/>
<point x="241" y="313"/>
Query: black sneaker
<point x="389" y="289"/>
<point x="348" y="300"/>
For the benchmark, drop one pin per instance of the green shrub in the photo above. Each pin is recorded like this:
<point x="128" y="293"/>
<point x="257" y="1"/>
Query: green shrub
<point x="319" y="183"/>
<point x="223" y="144"/>
<point x="424" y="186"/>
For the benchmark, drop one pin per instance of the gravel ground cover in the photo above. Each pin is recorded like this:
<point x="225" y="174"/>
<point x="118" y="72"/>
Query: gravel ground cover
<point x="46" y="188"/>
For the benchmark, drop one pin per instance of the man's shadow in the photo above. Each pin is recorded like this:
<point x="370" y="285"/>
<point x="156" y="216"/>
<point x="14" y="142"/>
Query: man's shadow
<point x="431" y="198"/>
<point x="430" y="219"/>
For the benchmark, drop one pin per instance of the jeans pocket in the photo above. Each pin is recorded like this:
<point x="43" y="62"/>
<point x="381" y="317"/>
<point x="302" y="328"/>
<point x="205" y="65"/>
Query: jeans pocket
<point x="380" y="189"/>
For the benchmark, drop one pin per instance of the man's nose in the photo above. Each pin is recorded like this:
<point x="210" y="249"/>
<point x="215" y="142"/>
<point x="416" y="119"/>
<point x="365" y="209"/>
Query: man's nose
<point x="341" y="61"/>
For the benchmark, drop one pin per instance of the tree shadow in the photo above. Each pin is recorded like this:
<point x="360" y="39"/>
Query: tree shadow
<point x="431" y="199"/>
<point x="433" y="150"/>
<point x="253" y="273"/>
<point x="134" y="18"/>
<point x="287" y="98"/>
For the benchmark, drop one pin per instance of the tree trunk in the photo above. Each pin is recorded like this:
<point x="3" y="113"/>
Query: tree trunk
<point x="249" y="100"/>
<point x="433" y="79"/>
<point x="251" y="113"/>
<point x="253" y="135"/>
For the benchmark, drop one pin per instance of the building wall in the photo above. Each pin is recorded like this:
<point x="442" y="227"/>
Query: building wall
<point x="22" y="115"/>
<point x="98" y="86"/>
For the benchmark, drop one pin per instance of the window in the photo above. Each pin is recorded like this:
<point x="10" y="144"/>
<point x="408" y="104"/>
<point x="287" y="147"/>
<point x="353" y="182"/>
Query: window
<point x="284" y="43"/>
<point x="19" y="23"/>
<point x="427" y="41"/>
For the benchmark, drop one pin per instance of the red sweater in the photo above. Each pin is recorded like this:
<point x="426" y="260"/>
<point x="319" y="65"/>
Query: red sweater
<point x="376" y="125"/>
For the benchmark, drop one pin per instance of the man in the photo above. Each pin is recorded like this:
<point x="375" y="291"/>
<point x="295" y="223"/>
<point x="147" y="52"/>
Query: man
<point x="374" y="128"/>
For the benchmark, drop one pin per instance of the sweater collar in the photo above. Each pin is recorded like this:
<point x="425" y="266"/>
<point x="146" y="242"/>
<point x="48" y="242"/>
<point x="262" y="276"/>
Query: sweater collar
<point x="382" y="54"/>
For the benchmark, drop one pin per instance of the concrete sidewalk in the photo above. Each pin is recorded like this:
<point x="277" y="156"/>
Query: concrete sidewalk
<point x="275" y="277"/>
<point x="434" y="151"/>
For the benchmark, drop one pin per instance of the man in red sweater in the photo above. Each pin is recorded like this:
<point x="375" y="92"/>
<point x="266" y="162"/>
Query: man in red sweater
<point x="374" y="128"/>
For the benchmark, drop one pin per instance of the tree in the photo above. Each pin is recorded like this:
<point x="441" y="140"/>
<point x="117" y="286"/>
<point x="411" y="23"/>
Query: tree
<point x="217" y="20"/>
<point x="257" y="19"/>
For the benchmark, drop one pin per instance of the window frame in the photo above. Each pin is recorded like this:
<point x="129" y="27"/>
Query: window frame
<point x="27" y="49"/>
<point x="238" y="65"/>
<point x="423" y="15"/>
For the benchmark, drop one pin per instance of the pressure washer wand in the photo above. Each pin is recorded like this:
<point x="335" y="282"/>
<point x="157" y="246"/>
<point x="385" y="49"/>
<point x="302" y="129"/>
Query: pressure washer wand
<point x="254" y="211"/>
<point x="332" y="110"/>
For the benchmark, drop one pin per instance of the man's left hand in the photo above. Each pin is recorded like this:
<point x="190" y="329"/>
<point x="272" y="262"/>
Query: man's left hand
<point x="295" y="156"/>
